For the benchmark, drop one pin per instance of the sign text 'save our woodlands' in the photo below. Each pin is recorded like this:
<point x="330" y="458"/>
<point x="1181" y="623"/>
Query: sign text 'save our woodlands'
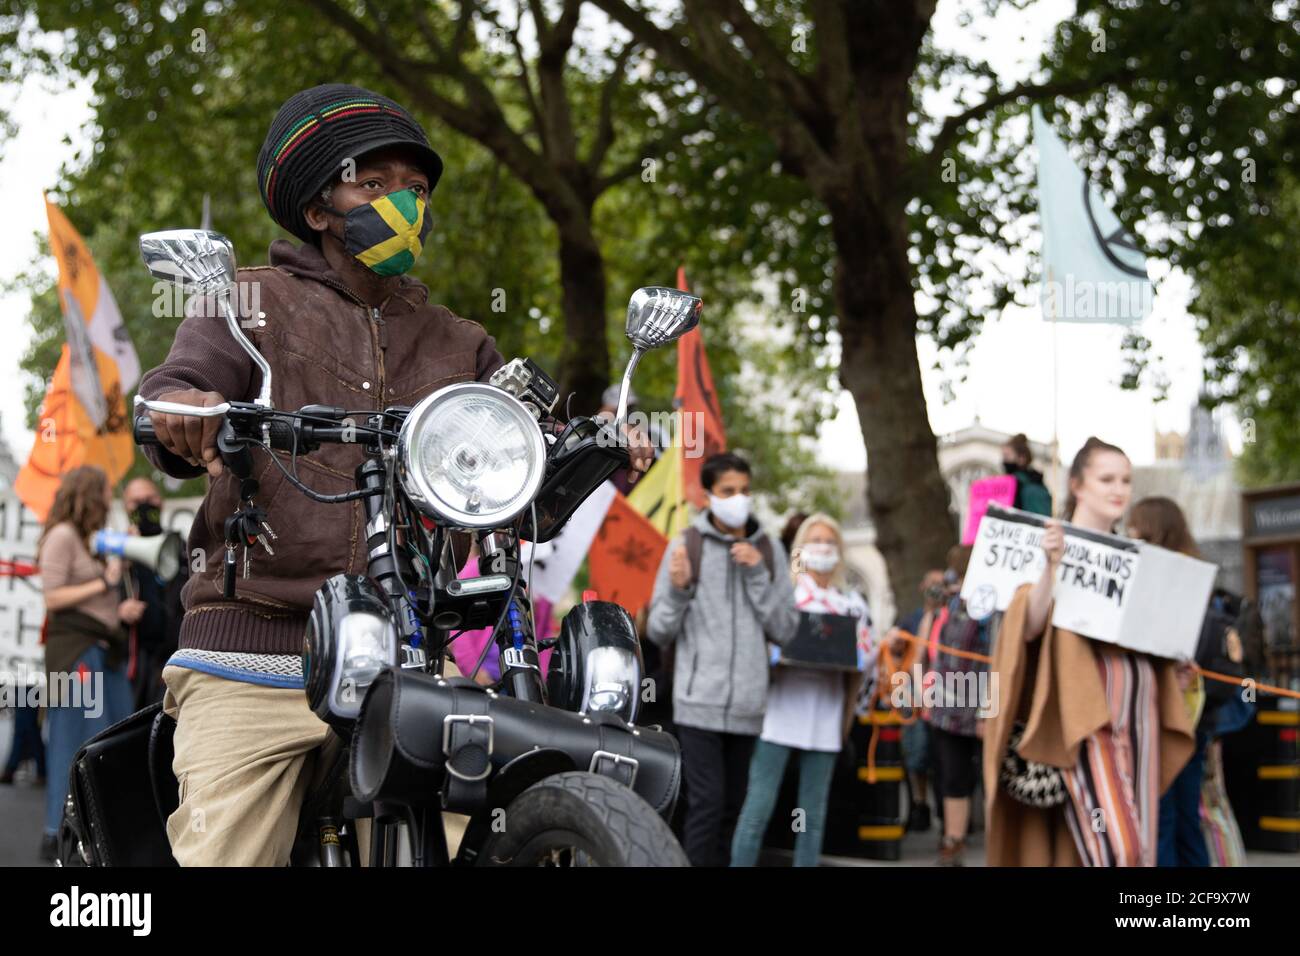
<point x="1107" y="587"/>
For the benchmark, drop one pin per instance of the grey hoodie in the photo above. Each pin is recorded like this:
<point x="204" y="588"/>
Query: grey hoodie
<point x="722" y="628"/>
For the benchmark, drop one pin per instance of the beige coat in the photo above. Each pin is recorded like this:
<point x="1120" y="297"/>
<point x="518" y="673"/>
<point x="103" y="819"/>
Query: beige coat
<point x="1053" y="684"/>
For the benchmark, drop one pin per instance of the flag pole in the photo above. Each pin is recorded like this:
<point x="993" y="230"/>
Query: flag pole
<point x="1056" y="439"/>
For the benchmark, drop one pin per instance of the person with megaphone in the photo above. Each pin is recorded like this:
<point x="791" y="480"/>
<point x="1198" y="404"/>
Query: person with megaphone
<point x="85" y="641"/>
<point x="155" y="575"/>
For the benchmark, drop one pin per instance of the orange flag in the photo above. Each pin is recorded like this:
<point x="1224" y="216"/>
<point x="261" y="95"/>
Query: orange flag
<point x="83" y="419"/>
<point x="624" y="557"/>
<point x="701" y="411"/>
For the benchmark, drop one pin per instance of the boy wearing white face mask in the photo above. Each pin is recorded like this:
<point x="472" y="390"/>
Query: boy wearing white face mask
<point x="808" y="709"/>
<point x="721" y="594"/>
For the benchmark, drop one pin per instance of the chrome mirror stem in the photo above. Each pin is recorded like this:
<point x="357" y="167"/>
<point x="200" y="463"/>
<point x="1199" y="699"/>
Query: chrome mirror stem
<point x="627" y="385"/>
<point x="232" y="320"/>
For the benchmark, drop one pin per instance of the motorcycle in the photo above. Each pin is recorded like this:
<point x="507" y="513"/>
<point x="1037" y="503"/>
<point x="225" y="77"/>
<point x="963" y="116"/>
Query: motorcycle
<point x="553" y="772"/>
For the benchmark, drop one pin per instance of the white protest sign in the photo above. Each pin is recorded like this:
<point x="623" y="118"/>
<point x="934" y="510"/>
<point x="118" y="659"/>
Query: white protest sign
<point x="1095" y="582"/>
<point x="1165" y="605"/>
<point x="1007" y="552"/>
<point x="22" y="607"/>
<point x="1108" y="587"/>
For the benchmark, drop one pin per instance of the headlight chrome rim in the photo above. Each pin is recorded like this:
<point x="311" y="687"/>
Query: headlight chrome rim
<point x="417" y="485"/>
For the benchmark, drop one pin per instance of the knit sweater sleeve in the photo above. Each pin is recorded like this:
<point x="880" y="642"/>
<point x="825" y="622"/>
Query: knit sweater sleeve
<point x="204" y="356"/>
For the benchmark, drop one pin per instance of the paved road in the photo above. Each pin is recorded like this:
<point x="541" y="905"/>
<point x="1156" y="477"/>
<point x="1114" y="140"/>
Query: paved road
<point x="22" y="809"/>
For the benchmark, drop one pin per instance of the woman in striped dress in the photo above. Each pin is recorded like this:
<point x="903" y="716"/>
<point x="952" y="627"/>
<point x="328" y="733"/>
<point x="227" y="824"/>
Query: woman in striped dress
<point x="1114" y="783"/>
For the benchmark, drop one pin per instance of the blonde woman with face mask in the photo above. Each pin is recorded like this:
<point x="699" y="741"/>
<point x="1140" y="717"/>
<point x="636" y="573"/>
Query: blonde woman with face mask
<point x="807" y="708"/>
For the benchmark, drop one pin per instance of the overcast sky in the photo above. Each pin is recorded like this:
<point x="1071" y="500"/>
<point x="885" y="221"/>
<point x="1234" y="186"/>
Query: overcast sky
<point x="1009" y="384"/>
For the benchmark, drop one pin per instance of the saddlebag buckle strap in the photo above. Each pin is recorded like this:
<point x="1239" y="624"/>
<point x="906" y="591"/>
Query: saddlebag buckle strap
<point x="467" y="746"/>
<point x="467" y="741"/>
<point x="619" y="767"/>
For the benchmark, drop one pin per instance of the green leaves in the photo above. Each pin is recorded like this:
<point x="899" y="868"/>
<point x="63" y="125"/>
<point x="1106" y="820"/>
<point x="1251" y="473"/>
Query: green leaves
<point x="1187" y="117"/>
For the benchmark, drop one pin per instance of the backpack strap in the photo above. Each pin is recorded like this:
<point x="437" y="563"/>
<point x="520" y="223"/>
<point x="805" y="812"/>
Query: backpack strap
<point x="765" y="549"/>
<point x="694" y="542"/>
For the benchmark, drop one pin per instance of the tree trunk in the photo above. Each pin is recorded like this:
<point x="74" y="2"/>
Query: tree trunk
<point x="906" y="493"/>
<point x="584" y="360"/>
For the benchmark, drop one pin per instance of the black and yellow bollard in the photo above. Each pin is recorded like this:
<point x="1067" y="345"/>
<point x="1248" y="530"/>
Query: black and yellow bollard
<point x="879" y="784"/>
<point x="1262" y="770"/>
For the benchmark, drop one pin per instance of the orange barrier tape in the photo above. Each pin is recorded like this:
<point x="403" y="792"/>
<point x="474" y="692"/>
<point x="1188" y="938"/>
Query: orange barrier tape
<point x="1209" y="675"/>
<point x="888" y="666"/>
<point x="1241" y="682"/>
<point x="969" y="655"/>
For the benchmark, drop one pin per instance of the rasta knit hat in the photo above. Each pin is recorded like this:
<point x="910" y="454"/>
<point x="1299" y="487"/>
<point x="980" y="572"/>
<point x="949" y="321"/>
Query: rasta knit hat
<point x="315" y="132"/>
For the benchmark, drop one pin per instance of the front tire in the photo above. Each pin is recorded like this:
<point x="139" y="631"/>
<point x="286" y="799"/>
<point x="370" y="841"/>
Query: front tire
<point x="581" y="819"/>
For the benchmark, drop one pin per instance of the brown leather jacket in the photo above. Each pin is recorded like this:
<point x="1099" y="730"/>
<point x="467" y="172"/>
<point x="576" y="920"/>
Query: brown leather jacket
<point x="324" y="346"/>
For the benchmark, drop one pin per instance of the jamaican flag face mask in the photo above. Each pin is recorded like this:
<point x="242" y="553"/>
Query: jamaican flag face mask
<point x="387" y="235"/>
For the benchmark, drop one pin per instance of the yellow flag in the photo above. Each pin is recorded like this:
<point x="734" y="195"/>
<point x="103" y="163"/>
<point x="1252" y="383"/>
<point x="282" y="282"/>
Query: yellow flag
<point x="659" y="495"/>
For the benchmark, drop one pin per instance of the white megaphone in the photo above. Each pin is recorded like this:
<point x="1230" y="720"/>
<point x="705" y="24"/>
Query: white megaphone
<point x="161" y="553"/>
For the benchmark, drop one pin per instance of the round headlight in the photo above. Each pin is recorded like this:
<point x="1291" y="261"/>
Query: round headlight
<point x="471" y="455"/>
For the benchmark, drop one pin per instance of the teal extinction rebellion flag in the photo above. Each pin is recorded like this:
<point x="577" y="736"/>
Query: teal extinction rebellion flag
<point x="1093" y="270"/>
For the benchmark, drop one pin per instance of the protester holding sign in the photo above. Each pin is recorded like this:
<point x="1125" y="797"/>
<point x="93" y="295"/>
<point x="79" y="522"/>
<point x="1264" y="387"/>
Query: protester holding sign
<point x="1100" y="729"/>
<point x="85" y="644"/>
<point x="808" y="709"/>
<point x="720" y="594"/>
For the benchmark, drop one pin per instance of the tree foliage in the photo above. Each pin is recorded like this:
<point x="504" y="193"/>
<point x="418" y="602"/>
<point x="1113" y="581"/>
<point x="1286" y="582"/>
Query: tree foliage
<point x="180" y="114"/>
<point x="1184" y="113"/>
<point x="1200" y="143"/>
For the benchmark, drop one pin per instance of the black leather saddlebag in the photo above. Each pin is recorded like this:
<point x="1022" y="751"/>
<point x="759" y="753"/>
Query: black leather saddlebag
<point x="419" y="736"/>
<point x="114" y="817"/>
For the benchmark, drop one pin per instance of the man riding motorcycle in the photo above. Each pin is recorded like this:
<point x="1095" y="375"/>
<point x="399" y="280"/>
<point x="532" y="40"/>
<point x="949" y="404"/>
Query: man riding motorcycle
<point x="349" y="173"/>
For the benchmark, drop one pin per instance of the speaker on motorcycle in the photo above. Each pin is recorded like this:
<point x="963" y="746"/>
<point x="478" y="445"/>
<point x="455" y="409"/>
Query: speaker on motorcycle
<point x="596" y="665"/>
<point x="161" y="553"/>
<point x="350" y="639"/>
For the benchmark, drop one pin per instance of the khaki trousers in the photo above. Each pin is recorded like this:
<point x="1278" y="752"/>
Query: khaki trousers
<point x="246" y="756"/>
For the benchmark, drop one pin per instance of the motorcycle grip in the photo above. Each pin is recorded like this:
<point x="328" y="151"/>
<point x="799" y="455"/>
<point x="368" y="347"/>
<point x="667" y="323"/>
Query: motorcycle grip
<point x="142" y="431"/>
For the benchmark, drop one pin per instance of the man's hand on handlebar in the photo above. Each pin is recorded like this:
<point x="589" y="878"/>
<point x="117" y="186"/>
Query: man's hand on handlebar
<point x="187" y="436"/>
<point x="639" y="448"/>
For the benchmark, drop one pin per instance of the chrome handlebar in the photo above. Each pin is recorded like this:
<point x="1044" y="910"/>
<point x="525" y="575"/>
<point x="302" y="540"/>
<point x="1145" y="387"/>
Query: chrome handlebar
<point x="180" y="408"/>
